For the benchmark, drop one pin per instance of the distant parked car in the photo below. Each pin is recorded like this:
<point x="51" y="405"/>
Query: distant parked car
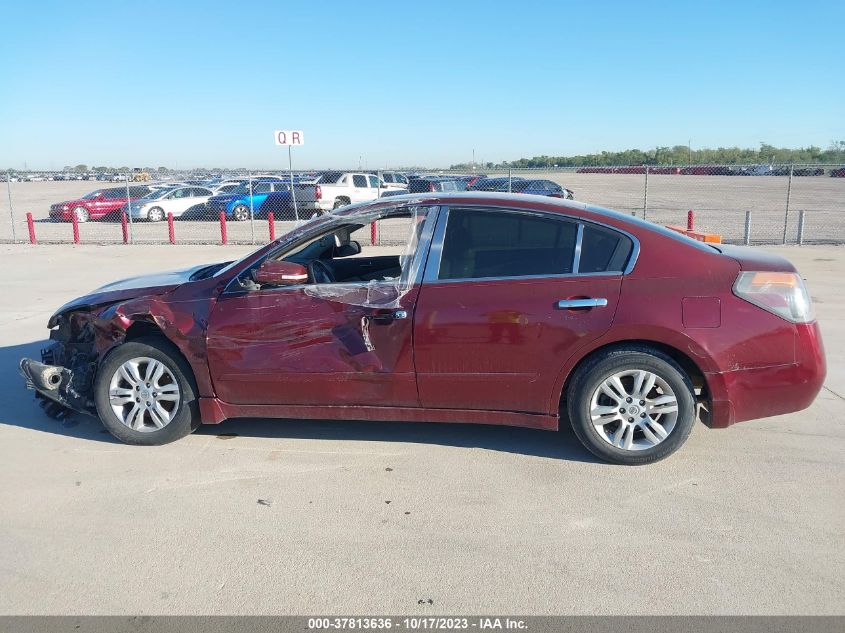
<point x="97" y="204"/>
<point x="493" y="184"/>
<point x="837" y="173"/>
<point x="266" y="194"/>
<point x="784" y="170"/>
<point x="427" y="184"/>
<point x="393" y="179"/>
<point x="388" y="193"/>
<point x="542" y="188"/>
<point x="177" y="200"/>
<point x="227" y="186"/>
<point x="337" y="189"/>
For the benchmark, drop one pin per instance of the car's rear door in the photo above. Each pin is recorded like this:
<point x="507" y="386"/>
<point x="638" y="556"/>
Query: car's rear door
<point x="505" y="301"/>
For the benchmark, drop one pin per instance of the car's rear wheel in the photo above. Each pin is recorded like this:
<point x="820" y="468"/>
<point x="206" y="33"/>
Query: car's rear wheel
<point x="156" y="214"/>
<point x="240" y="213"/>
<point x="81" y="214"/>
<point x="631" y="406"/>
<point x="340" y="202"/>
<point x="145" y="393"/>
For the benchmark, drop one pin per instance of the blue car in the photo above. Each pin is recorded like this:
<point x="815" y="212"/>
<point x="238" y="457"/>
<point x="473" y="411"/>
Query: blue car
<point x="267" y="194"/>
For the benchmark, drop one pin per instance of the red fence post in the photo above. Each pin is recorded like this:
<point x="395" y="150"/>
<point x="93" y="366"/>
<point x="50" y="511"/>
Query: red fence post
<point x="171" y="232"/>
<point x="271" y="224"/>
<point x="690" y="220"/>
<point x="75" y="221"/>
<point x="373" y="234"/>
<point x="223" y="237"/>
<point x="30" y="223"/>
<point x="124" y="227"/>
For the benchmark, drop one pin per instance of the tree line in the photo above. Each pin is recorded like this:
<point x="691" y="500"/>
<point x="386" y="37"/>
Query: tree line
<point x="684" y="155"/>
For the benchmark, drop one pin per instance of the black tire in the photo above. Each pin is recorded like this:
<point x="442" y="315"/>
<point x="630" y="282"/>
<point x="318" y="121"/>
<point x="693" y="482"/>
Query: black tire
<point x="340" y="202"/>
<point x="156" y="214"/>
<point x="240" y="213"/>
<point x="186" y="418"/>
<point x="596" y="370"/>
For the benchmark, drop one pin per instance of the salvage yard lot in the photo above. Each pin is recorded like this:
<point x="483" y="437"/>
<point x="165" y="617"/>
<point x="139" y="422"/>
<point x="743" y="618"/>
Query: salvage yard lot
<point x="720" y="203"/>
<point x="266" y="516"/>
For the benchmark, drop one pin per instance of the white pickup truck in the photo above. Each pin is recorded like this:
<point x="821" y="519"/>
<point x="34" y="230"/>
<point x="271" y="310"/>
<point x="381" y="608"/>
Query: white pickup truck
<point x="335" y="189"/>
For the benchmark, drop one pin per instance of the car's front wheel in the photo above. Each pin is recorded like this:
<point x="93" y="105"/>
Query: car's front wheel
<point x="145" y="393"/>
<point x="81" y="214"/>
<point x="631" y="406"/>
<point x="156" y="214"/>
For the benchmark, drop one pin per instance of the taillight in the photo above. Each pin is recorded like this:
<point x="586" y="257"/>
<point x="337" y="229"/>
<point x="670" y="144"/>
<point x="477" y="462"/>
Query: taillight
<point x="782" y="294"/>
<point x="318" y="193"/>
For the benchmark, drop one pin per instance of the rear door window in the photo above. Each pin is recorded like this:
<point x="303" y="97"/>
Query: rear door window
<point x="359" y="181"/>
<point x="484" y="244"/>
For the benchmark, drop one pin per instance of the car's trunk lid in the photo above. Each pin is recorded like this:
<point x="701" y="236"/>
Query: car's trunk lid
<point x="755" y="259"/>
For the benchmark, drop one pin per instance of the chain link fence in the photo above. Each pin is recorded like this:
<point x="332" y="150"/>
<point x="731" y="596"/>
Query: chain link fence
<point x="752" y="204"/>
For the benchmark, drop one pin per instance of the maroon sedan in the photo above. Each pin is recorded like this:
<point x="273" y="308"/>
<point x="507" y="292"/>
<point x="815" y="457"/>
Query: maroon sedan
<point x="97" y="204"/>
<point x="502" y="309"/>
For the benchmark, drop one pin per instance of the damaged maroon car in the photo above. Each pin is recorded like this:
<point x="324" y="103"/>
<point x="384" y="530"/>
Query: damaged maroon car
<point x="491" y="308"/>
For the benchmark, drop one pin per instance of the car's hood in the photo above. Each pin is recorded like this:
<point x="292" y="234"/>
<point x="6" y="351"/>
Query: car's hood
<point x="126" y="289"/>
<point x="71" y="202"/>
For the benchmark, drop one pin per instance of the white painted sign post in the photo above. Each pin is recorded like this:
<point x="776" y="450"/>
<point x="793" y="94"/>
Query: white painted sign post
<point x="290" y="138"/>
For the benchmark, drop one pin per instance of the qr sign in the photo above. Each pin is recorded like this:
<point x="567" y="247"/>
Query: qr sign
<point x="289" y="137"/>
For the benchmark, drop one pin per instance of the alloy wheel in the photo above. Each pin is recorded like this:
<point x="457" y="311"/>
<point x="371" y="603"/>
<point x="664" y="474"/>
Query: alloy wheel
<point x="144" y="394"/>
<point x="634" y="409"/>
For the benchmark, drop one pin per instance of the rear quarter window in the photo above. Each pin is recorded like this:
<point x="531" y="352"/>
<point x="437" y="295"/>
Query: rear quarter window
<point x="603" y="250"/>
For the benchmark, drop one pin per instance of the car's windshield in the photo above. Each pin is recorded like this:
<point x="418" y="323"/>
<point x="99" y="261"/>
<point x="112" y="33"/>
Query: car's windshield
<point x="294" y="234"/>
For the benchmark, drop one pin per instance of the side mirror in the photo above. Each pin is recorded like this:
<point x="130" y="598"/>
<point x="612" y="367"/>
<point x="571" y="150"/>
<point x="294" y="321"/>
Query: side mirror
<point x="281" y="273"/>
<point x="348" y="250"/>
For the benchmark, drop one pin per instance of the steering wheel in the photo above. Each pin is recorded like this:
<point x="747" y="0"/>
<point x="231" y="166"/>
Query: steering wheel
<point x="320" y="272"/>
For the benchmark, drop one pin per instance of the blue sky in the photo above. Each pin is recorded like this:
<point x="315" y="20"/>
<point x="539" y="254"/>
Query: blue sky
<point x="410" y="83"/>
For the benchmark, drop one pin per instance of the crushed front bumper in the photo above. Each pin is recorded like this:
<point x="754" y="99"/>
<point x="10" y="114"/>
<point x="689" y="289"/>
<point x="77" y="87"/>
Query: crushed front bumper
<point x="55" y="388"/>
<point x="62" y="380"/>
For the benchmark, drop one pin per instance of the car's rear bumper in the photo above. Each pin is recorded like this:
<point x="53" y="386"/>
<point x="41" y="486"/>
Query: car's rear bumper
<point x="760" y="392"/>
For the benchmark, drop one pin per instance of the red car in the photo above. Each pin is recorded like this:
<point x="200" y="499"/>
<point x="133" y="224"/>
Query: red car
<point x="97" y="204"/>
<point x="503" y="309"/>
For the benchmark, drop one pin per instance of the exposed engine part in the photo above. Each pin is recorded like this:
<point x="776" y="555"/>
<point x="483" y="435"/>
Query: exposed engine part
<point x="64" y="377"/>
<point x="41" y="377"/>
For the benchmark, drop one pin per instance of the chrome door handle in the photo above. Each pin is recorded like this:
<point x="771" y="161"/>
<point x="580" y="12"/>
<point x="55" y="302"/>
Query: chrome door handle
<point x="569" y="304"/>
<point x="386" y="318"/>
